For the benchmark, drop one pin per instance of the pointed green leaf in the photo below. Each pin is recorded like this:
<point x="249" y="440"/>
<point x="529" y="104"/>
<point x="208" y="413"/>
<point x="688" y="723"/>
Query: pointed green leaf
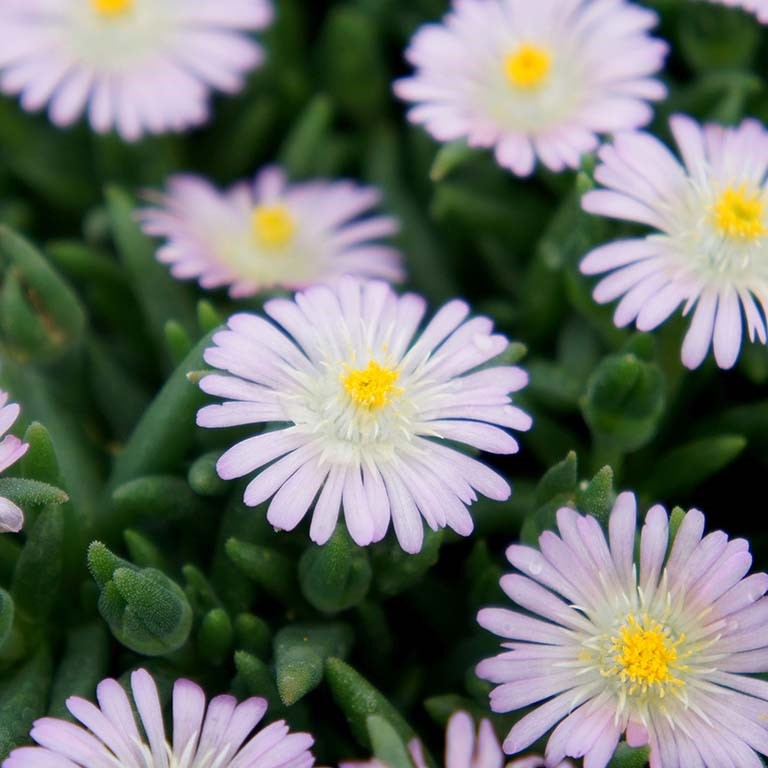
<point x="300" y="653"/>
<point x="387" y="745"/>
<point x="31" y="492"/>
<point x="83" y="665"/>
<point x="38" y="576"/>
<point x="23" y="698"/>
<point x="358" y="699"/>
<point x="686" y="467"/>
<point x="214" y="639"/>
<point x="337" y="575"/>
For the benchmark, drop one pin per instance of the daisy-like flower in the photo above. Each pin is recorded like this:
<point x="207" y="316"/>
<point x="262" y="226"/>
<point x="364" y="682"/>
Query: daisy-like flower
<point x="136" y="66"/>
<point x="465" y="747"/>
<point x="11" y="450"/>
<point x="110" y="735"/>
<point x="661" y="649"/>
<point x="365" y="406"/>
<point x="709" y="247"/>
<point x="758" y="7"/>
<point x="534" y="79"/>
<point x="272" y="233"/>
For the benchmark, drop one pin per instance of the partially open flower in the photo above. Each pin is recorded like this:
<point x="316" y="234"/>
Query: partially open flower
<point x="466" y="746"/>
<point x="219" y="736"/>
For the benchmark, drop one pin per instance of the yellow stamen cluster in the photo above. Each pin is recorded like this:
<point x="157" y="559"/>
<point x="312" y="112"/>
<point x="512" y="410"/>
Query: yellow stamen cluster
<point x="273" y="225"/>
<point x="644" y="656"/>
<point x="112" y="8"/>
<point x="740" y="214"/>
<point x="528" y="67"/>
<point x="371" y="387"/>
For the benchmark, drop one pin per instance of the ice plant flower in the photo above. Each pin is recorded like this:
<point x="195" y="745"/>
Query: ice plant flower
<point x="532" y="79"/>
<point x="758" y="7"/>
<point x="708" y="250"/>
<point x="362" y="406"/>
<point x="111" y="735"/>
<point x="136" y="66"/>
<point x="271" y="234"/>
<point x="661" y="649"/>
<point x="11" y="450"/>
<point x="465" y="747"/>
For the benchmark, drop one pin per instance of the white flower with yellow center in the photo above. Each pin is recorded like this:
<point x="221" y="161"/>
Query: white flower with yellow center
<point x="709" y="248"/>
<point x="660" y="650"/>
<point x="367" y="409"/>
<point x="135" y="66"/>
<point x="534" y="79"/>
<point x="271" y="234"/>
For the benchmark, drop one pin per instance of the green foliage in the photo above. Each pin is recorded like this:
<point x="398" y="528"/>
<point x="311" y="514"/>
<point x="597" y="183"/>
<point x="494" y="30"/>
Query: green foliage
<point x="336" y="576"/>
<point x="300" y="653"/>
<point x="104" y="351"/>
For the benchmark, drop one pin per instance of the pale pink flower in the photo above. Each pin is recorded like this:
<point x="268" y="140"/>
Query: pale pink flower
<point x="758" y="7"/>
<point x="708" y="249"/>
<point x="11" y="450"/>
<point x="465" y="747"/>
<point x="110" y="734"/>
<point x="366" y="408"/>
<point x="271" y="234"/>
<point x="534" y="79"/>
<point x="661" y="649"/>
<point x="135" y="66"/>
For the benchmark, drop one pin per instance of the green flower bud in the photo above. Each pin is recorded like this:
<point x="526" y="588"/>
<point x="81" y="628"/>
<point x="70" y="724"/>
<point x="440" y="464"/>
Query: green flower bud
<point x="146" y="611"/>
<point x="624" y="402"/>
<point x="336" y="576"/>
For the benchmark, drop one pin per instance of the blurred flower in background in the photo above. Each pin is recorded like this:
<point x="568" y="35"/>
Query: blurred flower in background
<point x="216" y="736"/>
<point x="536" y="79"/>
<point x="758" y="7"/>
<point x="272" y="234"/>
<point x="368" y="403"/>
<point x="710" y="248"/>
<point x="661" y="649"/>
<point x="135" y="66"/>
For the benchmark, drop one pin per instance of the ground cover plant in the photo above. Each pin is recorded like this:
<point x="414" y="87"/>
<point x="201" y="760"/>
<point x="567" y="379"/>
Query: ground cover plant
<point x="383" y="382"/>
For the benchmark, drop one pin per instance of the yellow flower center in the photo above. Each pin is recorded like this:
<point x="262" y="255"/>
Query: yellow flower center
<point x="739" y="214"/>
<point x="371" y="387"/>
<point x="528" y="66"/>
<point x="273" y="226"/>
<point x="644" y="656"/>
<point x="112" y="8"/>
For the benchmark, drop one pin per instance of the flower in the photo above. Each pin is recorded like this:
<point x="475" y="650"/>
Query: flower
<point x="275" y="235"/>
<point x="11" y="450"/>
<point x="138" y="66"/>
<point x="365" y="406"/>
<point x="465" y="747"/>
<point x="534" y="78"/>
<point x="110" y="734"/>
<point x="758" y="7"/>
<point x="709" y="247"/>
<point x="661" y="649"/>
